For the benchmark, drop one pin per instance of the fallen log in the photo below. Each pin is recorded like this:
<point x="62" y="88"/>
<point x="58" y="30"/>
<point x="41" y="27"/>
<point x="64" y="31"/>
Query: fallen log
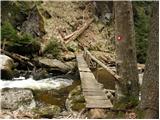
<point x="50" y="64"/>
<point x="70" y="35"/>
<point x="62" y="40"/>
<point x="19" y="58"/>
<point x="117" y="77"/>
<point x="79" y="32"/>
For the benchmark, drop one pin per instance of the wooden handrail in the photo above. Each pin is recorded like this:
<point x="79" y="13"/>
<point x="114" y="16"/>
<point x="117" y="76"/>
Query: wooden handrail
<point x="117" y="77"/>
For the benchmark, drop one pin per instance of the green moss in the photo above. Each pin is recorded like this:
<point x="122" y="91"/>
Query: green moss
<point x="78" y="102"/>
<point x="75" y="92"/>
<point x="120" y="115"/>
<point x="127" y="102"/>
<point x="139" y="113"/>
<point x="78" y="106"/>
<point x="77" y="99"/>
<point x="47" y="111"/>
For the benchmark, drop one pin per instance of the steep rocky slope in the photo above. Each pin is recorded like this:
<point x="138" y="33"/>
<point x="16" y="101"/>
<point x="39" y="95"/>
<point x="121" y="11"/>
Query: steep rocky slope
<point x="67" y="17"/>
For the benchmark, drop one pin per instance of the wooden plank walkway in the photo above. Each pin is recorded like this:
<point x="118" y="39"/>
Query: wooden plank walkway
<point x="93" y="93"/>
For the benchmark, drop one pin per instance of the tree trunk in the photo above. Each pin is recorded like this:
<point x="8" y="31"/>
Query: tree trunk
<point x="125" y="50"/>
<point x="150" y="92"/>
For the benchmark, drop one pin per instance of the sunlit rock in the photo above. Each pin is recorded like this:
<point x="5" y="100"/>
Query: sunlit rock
<point x="16" y="98"/>
<point x="6" y="67"/>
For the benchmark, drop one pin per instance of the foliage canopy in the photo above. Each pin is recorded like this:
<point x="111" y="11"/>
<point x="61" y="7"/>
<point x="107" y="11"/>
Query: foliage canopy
<point x="142" y="13"/>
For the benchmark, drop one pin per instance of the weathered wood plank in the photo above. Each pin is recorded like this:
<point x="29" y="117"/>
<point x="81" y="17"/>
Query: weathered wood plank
<point x="99" y="104"/>
<point x="97" y="101"/>
<point x="83" y="69"/>
<point x="92" y="90"/>
<point x="93" y="93"/>
<point x="94" y="105"/>
<point x="86" y="76"/>
<point x="95" y="97"/>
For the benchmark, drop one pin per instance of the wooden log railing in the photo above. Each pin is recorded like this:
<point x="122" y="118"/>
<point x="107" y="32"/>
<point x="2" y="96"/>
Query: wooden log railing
<point x="89" y="57"/>
<point x="91" y="63"/>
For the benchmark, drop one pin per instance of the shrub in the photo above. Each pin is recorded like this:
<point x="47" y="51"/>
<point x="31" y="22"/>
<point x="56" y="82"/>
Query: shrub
<point x="53" y="47"/>
<point x="8" y="32"/>
<point x="126" y="102"/>
<point x="26" y="44"/>
<point x="22" y="44"/>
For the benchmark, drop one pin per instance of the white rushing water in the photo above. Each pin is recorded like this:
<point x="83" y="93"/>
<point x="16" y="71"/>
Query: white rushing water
<point x="44" y="84"/>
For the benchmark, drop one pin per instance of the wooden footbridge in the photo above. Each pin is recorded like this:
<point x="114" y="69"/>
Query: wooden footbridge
<point x="92" y="90"/>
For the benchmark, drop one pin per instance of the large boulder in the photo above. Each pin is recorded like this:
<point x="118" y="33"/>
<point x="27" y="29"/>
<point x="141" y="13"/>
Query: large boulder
<point x="6" y="67"/>
<point x="55" y="64"/>
<point x="15" y="98"/>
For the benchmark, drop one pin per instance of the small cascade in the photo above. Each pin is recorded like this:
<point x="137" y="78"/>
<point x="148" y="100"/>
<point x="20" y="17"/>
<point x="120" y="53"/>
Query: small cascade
<point x="43" y="84"/>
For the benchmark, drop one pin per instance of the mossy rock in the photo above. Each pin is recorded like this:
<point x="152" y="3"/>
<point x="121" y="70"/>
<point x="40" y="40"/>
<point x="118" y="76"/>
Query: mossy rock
<point x="76" y="91"/>
<point x="77" y="98"/>
<point x="47" y="111"/>
<point x="78" y="106"/>
<point x="139" y="113"/>
<point x="72" y="46"/>
<point x="76" y="101"/>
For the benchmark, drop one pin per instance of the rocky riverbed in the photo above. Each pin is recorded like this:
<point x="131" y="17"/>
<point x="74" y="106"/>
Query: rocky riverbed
<point x="29" y="98"/>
